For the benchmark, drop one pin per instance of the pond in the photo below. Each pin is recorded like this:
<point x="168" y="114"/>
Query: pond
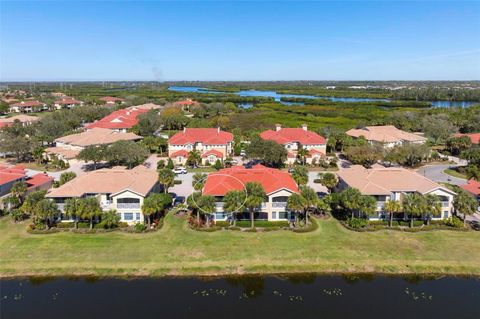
<point x="278" y="96"/>
<point x="301" y="296"/>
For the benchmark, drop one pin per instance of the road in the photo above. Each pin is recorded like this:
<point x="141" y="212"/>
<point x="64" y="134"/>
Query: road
<point x="435" y="173"/>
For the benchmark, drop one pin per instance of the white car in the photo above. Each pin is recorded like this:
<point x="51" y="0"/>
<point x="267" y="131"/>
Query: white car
<point x="180" y="170"/>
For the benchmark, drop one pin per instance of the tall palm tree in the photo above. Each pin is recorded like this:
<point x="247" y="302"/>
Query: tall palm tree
<point x="90" y="208"/>
<point x="311" y="200"/>
<point x="351" y="199"/>
<point x="233" y="202"/>
<point x="72" y="208"/>
<point x="194" y="158"/>
<point x="166" y="178"/>
<point x="413" y="205"/>
<point x="149" y="208"/>
<point x="46" y="209"/>
<point x="18" y="191"/>
<point x="198" y="181"/>
<point x="302" y="154"/>
<point x="300" y="175"/>
<point x="206" y="204"/>
<point x="329" y="180"/>
<point x="392" y="207"/>
<point x="464" y="204"/>
<point x="297" y="203"/>
<point x="255" y="197"/>
<point x="432" y="205"/>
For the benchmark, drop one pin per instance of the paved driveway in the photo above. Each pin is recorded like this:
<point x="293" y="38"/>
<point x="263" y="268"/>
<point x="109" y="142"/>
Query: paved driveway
<point x="184" y="189"/>
<point x="75" y="166"/>
<point x="435" y="173"/>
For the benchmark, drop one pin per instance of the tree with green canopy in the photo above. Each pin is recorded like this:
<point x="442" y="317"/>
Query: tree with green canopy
<point x="166" y="178"/>
<point x="233" y="202"/>
<point x="392" y="207"/>
<point x="255" y="197"/>
<point x="329" y="180"/>
<point x="464" y="204"/>
<point x="300" y="175"/>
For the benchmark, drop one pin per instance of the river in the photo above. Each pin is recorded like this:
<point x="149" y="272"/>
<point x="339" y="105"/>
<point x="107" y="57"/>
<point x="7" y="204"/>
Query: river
<point x="302" y="296"/>
<point x="278" y="96"/>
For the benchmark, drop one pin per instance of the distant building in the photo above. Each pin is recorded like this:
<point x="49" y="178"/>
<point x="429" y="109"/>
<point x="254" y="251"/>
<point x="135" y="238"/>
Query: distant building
<point x="474" y="137"/>
<point x="387" y="136"/>
<point x="386" y="184"/>
<point x="294" y="139"/>
<point x="67" y="102"/>
<point x="110" y="100"/>
<point x="123" y="119"/>
<point x="24" y="119"/>
<point x="69" y="146"/>
<point x="117" y="188"/>
<point x="212" y="143"/>
<point x="278" y="186"/>
<point x="473" y="187"/>
<point x="26" y="106"/>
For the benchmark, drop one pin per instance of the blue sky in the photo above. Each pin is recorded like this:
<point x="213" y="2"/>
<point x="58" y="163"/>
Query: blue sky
<point x="288" y="40"/>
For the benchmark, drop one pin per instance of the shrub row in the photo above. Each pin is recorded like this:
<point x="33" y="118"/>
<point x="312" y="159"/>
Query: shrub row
<point x="311" y="227"/>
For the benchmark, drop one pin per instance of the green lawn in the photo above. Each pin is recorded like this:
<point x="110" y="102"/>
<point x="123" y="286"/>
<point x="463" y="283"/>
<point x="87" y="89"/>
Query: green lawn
<point x="454" y="173"/>
<point x="177" y="250"/>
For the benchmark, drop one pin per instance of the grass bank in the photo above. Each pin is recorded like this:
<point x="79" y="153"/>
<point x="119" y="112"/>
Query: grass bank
<point x="176" y="250"/>
<point x="455" y="173"/>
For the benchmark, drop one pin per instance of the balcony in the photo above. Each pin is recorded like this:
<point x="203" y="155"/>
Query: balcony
<point x="128" y="205"/>
<point x="281" y="205"/>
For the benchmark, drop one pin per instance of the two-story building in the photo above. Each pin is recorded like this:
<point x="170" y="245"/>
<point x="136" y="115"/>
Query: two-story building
<point x="116" y="188"/>
<point x="393" y="183"/>
<point x="24" y="119"/>
<point x="111" y="100"/>
<point x="67" y="103"/>
<point x="294" y="139"/>
<point x="212" y="143"/>
<point x="69" y="146"/>
<point x="27" y="106"/>
<point x="387" y="136"/>
<point x="278" y="186"/>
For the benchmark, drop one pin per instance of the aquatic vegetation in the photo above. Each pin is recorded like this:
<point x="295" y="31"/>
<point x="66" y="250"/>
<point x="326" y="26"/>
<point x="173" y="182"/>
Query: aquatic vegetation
<point x="333" y="292"/>
<point x="418" y="296"/>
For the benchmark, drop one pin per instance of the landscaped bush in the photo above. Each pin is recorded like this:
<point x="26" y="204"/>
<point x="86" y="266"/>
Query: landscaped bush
<point x="122" y="225"/>
<point x="177" y="182"/>
<point x="251" y="230"/>
<point x="83" y="225"/>
<point x="454" y="221"/>
<point x="234" y="228"/>
<point x="222" y="223"/>
<point x="311" y="227"/>
<point x="139" y="227"/>
<point x="207" y="229"/>
<point x="357" y="222"/>
<point x="262" y="223"/>
<point x="66" y="225"/>
<point x="317" y="181"/>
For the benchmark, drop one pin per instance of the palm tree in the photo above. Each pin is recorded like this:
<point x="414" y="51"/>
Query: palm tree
<point x="300" y="175"/>
<point x="302" y="154"/>
<point x="392" y="207"/>
<point x="413" y="205"/>
<point x="28" y="206"/>
<point x="198" y="181"/>
<point x="464" y="204"/>
<point x="194" y="158"/>
<point x="166" y="178"/>
<point x="255" y="197"/>
<point x="297" y="203"/>
<point x="72" y="208"/>
<point x="233" y="201"/>
<point x="110" y="218"/>
<point x="329" y="180"/>
<point x="192" y="202"/>
<point x="149" y="208"/>
<point x="350" y="199"/>
<point x="46" y="209"/>
<point x="367" y="205"/>
<point x="432" y="205"/>
<point x="18" y="191"/>
<point x="206" y="204"/>
<point x="89" y="209"/>
<point x="311" y="200"/>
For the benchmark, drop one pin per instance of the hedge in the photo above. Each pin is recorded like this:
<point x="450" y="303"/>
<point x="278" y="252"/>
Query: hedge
<point x="311" y="227"/>
<point x="263" y="223"/>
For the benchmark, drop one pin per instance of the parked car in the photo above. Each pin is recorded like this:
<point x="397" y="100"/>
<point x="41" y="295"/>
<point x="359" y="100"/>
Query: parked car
<point x="243" y="153"/>
<point x="180" y="170"/>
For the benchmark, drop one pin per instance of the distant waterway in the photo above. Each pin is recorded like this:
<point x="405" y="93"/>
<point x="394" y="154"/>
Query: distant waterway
<point x="299" y="296"/>
<point x="278" y="96"/>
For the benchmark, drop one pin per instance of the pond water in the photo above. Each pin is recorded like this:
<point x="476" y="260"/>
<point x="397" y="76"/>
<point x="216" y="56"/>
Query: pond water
<point x="278" y="96"/>
<point x="303" y="296"/>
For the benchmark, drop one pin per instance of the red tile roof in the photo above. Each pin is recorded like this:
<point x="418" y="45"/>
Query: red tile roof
<point x="183" y="153"/>
<point x="314" y="151"/>
<point x="291" y="135"/>
<point x="121" y="119"/>
<point x="26" y="104"/>
<point x="11" y="173"/>
<point x="474" y="137"/>
<point x="38" y="180"/>
<point x="472" y="187"/>
<point x="186" y="102"/>
<point x="234" y="178"/>
<point x="216" y="153"/>
<point x="206" y="136"/>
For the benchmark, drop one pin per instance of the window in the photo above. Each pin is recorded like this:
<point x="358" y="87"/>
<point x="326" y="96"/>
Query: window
<point x="274" y="215"/>
<point x="128" y="216"/>
<point x="137" y="216"/>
